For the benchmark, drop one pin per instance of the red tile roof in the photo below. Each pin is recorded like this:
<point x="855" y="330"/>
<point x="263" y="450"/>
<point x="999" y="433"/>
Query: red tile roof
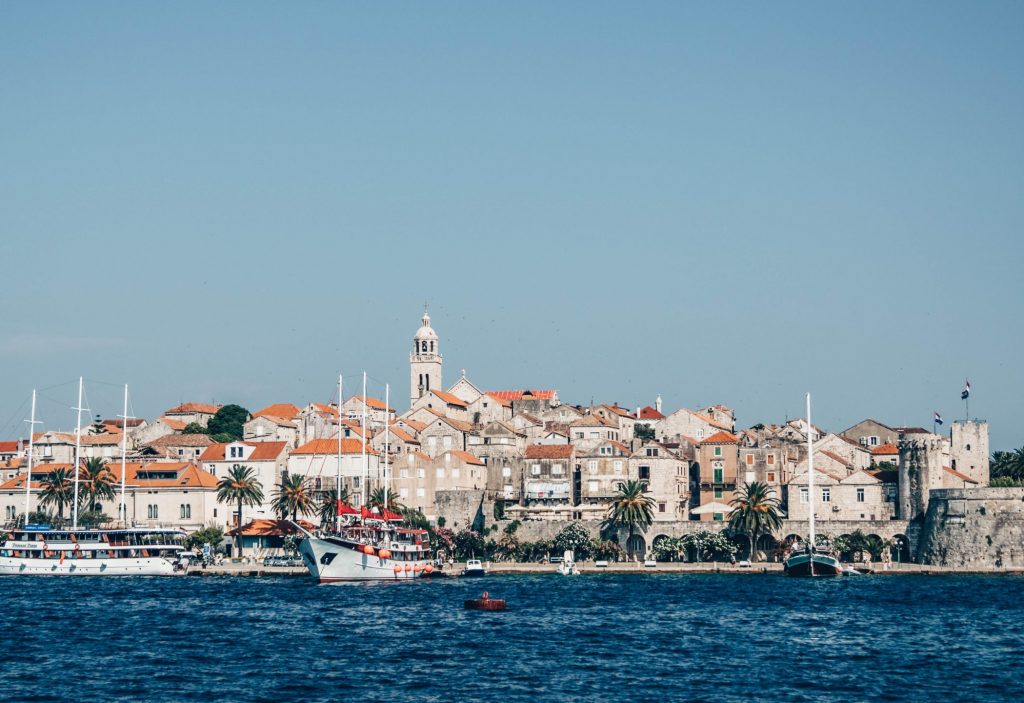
<point x="518" y="395"/>
<point x="962" y="477"/>
<point x="415" y="425"/>
<point x="466" y="457"/>
<point x="330" y="447"/>
<point x="9" y="447"/>
<point x="375" y="403"/>
<point x="271" y="528"/>
<point x="180" y="440"/>
<point x="174" y="424"/>
<point x="185" y="408"/>
<point x="262" y="451"/>
<point x="285" y="411"/>
<point x="505" y="402"/>
<point x="722" y="438"/>
<point x="325" y="409"/>
<point x="549" y="451"/>
<point x="450" y="399"/>
<point x="649" y="413"/>
<point x="886" y="449"/>
<point x="403" y="435"/>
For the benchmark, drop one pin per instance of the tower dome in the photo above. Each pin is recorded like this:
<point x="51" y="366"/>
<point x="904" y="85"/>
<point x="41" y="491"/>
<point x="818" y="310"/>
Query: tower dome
<point x="426" y="331"/>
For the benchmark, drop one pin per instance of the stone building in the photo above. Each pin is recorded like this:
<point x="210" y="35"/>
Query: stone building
<point x="199" y="413"/>
<point x="318" y="460"/>
<point x="271" y="428"/>
<point x="377" y="412"/>
<point x="713" y="477"/>
<point x="268" y="460"/>
<point x="548" y="474"/>
<point x="839" y="497"/>
<point x="666" y="477"/>
<point x="425" y="361"/>
<point x="602" y="468"/>
<point x="443" y="433"/>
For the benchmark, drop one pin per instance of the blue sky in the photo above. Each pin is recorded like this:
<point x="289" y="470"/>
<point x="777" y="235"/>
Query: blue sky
<point x="233" y="202"/>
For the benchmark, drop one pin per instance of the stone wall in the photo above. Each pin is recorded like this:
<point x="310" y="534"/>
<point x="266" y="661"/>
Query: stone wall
<point x="974" y="528"/>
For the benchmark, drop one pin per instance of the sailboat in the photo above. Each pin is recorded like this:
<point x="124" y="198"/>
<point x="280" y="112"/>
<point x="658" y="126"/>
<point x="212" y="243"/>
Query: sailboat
<point x="809" y="561"/>
<point x="74" y="551"/>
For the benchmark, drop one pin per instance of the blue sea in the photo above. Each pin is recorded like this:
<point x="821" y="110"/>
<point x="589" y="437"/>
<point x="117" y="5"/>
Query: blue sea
<point x="645" y="637"/>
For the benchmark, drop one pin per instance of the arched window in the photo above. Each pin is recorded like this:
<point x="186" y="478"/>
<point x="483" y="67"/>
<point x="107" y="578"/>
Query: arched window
<point x="424" y="346"/>
<point x="426" y="379"/>
<point x="432" y="349"/>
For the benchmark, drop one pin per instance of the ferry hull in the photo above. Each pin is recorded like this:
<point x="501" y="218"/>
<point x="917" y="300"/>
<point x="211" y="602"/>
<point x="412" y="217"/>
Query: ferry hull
<point x="329" y="561"/>
<point x="812" y="565"/>
<point x="142" y="566"/>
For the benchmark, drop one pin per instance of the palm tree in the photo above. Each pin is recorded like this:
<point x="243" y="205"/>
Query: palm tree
<point x="242" y="487"/>
<point x="327" y="508"/>
<point x="376" y="500"/>
<point x="293" y="496"/>
<point x="99" y="483"/>
<point x="57" y="491"/>
<point x="631" y="508"/>
<point x="755" y="511"/>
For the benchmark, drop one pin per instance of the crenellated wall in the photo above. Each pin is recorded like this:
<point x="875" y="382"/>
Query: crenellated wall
<point x="974" y="528"/>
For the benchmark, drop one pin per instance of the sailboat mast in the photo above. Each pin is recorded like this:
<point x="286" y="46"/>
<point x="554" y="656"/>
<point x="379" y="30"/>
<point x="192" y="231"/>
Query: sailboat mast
<point x="810" y="470"/>
<point x="31" y="454"/>
<point x="122" y="513"/>
<point x="337" y="481"/>
<point x="387" y="417"/>
<point x="78" y="454"/>
<point x="362" y="436"/>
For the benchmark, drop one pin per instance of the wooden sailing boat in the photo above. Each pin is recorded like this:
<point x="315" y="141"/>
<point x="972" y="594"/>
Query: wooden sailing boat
<point x="810" y="561"/>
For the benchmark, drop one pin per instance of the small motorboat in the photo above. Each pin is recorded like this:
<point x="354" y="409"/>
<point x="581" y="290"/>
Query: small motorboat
<point x="568" y="565"/>
<point x="474" y="568"/>
<point x="485" y="602"/>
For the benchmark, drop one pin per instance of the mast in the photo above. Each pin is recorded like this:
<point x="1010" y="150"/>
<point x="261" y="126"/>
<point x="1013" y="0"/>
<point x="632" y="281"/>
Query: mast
<point x="810" y="473"/>
<point x="337" y="479"/>
<point x="78" y="454"/>
<point x="122" y="513"/>
<point x="31" y="452"/>
<point x="387" y="417"/>
<point x="362" y="436"/>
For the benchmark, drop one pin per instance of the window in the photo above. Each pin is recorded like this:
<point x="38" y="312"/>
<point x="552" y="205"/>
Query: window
<point x="860" y="495"/>
<point x="592" y="487"/>
<point x="420" y="492"/>
<point x="556" y="469"/>
<point x="592" y="466"/>
<point x="873" y="441"/>
<point x="421" y="473"/>
<point x="440" y="472"/>
<point x="771" y="477"/>
<point x="595" y="435"/>
<point x="718" y="493"/>
<point x="750" y="459"/>
<point x="455" y="472"/>
<point x="618" y="467"/>
<point x="645" y="473"/>
<point x="661" y="507"/>
<point x="186" y="511"/>
<point x="47" y="451"/>
<point x="718" y="451"/>
<point x="506" y="471"/>
<point x="719" y="474"/>
<point x="152" y="512"/>
<point x="403" y="473"/>
<point x="700" y="434"/>
<point x="579" y="435"/>
<point x="652" y="451"/>
<point x="535" y="469"/>
<point x="803" y="495"/>
<point x="403" y="493"/>
<point x="719" y="517"/>
<point x="446" y="441"/>
<point x="215" y="512"/>
<point x="826" y="495"/>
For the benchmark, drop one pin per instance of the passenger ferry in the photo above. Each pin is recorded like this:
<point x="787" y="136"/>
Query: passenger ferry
<point x="369" y="550"/>
<point x="40" y="550"/>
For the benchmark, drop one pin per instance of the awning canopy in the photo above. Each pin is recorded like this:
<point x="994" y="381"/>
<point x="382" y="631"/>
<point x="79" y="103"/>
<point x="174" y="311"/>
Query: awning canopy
<point x="711" y="508"/>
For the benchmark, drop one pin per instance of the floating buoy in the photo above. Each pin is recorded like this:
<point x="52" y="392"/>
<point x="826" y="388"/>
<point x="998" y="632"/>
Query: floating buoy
<point x="416" y="568"/>
<point x="408" y="568"/>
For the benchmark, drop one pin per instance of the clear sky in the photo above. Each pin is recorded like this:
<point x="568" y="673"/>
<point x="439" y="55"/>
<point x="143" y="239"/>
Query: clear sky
<point x="236" y="201"/>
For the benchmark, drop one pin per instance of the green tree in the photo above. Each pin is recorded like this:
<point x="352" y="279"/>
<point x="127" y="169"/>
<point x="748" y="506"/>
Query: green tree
<point x="376" y="499"/>
<point x="229" y="421"/>
<point x="241" y="487"/>
<point x="631" y="508"/>
<point x="1007" y="465"/>
<point x="98" y="483"/>
<point x="58" y="488"/>
<point x="327" y="507"/>
<point x="293" y="496"/>
<point x="574" y="536"/>
<point x="212" y="535"/>
<point x="92" y="518"/>
<point x="194" y="428"/>
<point x="755" y="511"/>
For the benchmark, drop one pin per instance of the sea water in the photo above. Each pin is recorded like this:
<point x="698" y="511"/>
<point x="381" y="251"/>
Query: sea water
<point x="644" y="637"/>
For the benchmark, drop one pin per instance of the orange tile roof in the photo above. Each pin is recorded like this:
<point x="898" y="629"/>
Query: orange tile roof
<point x="330" y="446"/>
<point x="279" y="421"/>
<point x="505" y="402"/>
<point x="962" y="477"/>
<point x="421" y="455"/>
<point x="649" y="413"/>
<point x="621" y="412"/>
<point x="262" y="451"/>
<point x="466" y="457"/>
<point x="549" y="451"/>
<point x="271" y="528"/>
<point x="180" y="440"/>
<point x="9" y="447"/>
<point x="722" y="438"/>
<point x="403" y="435"/>
<point x="325" y="409"/>
<point x="375" y="403"/>
<point x="93" y="440"/>
<point x="173" y="423"/>
<point x="415" y="425"/>
<point x="450" y="399"/>
<point x="886" y="449"/>
<point x="185" y="408"/>
<point x="518" y="395"/>
<point x="285" y="411"/>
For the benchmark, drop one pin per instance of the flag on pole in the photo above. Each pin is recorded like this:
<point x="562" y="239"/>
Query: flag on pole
<point x="966" y="392"/>
<point x="938" y="418"/>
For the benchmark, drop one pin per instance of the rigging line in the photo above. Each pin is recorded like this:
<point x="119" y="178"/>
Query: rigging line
<point x="13" y="418"/>
<point x="59" y="385"/>
<point x="105" y="383"/>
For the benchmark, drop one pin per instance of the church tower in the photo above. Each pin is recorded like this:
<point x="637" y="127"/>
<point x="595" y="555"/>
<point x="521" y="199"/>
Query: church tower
<point x="425" y="361"/>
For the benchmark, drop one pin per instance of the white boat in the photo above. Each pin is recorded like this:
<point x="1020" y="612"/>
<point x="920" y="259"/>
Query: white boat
<point x="474" y="567"/>
<point x="568" y="565"/>
<point x="809" y="561"/>
<point x="39" y="550"/>
<point x="371" y="551"/>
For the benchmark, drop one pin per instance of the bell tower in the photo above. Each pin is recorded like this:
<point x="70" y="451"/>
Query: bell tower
<point x="424" y="361"/>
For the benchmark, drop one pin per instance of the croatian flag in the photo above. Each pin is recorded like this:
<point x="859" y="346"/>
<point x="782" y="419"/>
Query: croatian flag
<point x="966" y="392"/>
<point x="938" y="418"/>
